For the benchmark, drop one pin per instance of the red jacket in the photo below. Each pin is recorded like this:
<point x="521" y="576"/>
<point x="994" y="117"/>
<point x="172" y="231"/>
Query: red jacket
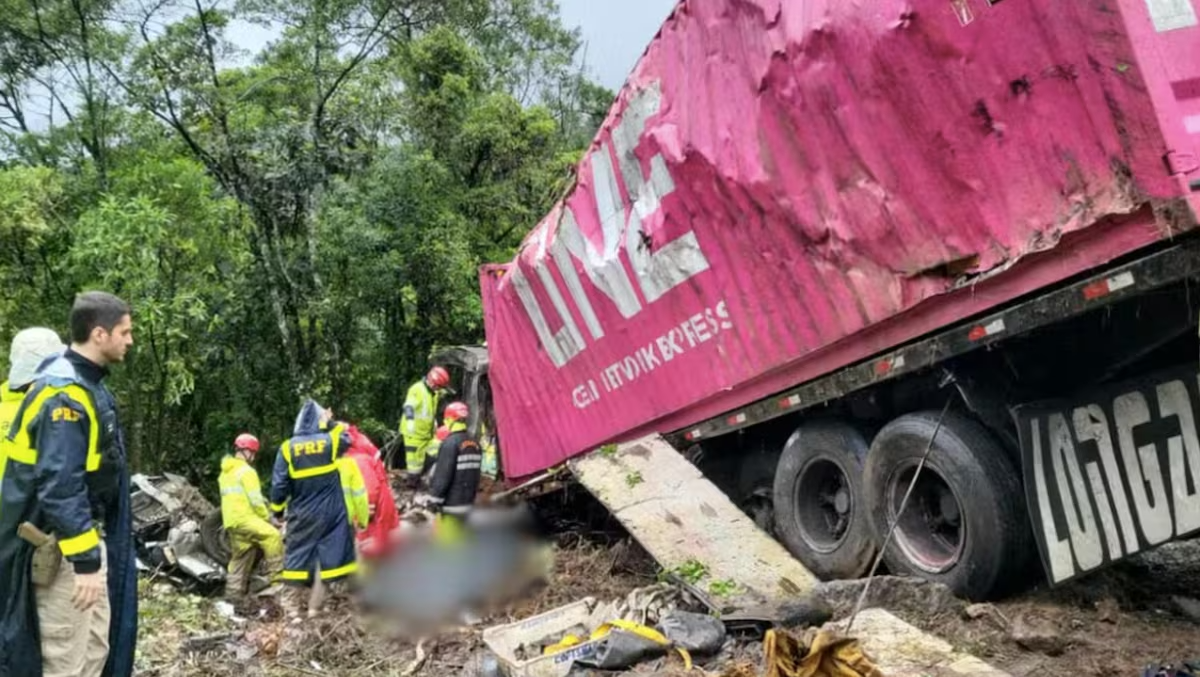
<point x="384" y="518"/>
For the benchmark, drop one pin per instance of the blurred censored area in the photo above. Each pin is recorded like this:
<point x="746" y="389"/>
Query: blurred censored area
<point x="433" y="576"/>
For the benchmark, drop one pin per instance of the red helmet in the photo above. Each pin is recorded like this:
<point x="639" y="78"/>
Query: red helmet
<point x="246" y="441"/>
<point x="456" y="411"/>
<point x="438" y="377"/>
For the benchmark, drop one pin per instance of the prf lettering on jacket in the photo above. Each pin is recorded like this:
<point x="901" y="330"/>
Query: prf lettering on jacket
<point x="310" y="448"/>
<point x="64" y="414"/>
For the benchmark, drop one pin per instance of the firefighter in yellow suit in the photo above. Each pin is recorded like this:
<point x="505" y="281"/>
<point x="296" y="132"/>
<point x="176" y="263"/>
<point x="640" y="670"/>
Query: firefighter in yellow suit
<point x="419" y="423"/>
<point x="246" y="518"/>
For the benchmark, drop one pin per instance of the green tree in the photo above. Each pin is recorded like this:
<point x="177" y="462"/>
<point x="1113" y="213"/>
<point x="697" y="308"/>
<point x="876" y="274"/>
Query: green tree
<point x="304" y="221"/>
<point x="168" y="244"/>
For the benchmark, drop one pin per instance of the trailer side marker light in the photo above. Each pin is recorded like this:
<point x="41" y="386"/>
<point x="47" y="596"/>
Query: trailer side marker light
<point x="1103" y="288"/>
<point x="736" y="419"/>
<point x="983" y="331"/>
<point x="693" y="435"/>
<point x="886" y="366"/>
<point x="789" y="402"/>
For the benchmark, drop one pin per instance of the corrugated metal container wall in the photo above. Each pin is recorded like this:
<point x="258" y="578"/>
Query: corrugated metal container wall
<point x="786" y="187"/>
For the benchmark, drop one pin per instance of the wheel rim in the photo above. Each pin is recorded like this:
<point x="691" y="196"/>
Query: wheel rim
<point x="931" y="532"/>
<point x="826" y="504"/>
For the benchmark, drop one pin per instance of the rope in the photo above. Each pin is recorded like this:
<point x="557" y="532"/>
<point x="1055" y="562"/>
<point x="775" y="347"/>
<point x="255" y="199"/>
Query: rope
<point x="862" y="597"/>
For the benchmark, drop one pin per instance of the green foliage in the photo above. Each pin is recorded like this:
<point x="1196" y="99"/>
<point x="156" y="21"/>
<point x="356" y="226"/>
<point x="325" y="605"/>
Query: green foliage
<point x="304" y="221"/>
<point x="633" y="479"/>
<point x="29" y="197"/>
<point x="725" y="588"/>
<point x="693" y="571"/>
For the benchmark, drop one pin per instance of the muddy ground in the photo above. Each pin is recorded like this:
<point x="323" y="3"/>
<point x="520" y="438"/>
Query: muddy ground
<point x="1113" y="623"/>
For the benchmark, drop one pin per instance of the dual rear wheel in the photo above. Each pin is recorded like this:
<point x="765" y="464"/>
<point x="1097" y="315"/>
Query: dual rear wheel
<point x="836" y="496"/>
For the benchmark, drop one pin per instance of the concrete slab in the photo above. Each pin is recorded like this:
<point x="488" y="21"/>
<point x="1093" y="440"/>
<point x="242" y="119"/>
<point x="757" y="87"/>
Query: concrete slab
<point x="679" y="516"/>
<point x="902" y="650"/>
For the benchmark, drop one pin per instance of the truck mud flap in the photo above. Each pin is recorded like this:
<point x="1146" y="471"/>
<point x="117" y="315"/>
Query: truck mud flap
<point x="683" y="521"/>
<point x="1113" y="472"/>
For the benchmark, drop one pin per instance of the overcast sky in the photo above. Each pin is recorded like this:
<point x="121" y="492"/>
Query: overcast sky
<point x="615" y="32"/>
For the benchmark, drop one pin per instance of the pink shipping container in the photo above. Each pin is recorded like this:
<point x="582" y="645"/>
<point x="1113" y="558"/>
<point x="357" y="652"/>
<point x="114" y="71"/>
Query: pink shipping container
<point x="787" y="187"/>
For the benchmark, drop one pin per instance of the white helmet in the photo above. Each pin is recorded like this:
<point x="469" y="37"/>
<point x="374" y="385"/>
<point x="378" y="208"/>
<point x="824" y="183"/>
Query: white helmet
<point x="30" y="348"/>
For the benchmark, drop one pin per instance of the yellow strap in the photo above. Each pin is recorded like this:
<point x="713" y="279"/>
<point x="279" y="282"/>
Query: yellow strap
<point x="79" y="544"/>
<point x="294" y="575"/>
<point x="642" y="631"/>
<point x="314" y="472"/>
<point x="279" y="507"/>
<point x="340" y="571"/>
<point x="563" y="644"/>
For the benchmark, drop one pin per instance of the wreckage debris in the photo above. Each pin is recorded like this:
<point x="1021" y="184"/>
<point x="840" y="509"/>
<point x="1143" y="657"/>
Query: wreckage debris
<point x="1185" y="669"/>
<point x="658" y="621"/>
<point x="697" y="633"/>
<point x="816" y="653"/>
<point x="173" y="533"/>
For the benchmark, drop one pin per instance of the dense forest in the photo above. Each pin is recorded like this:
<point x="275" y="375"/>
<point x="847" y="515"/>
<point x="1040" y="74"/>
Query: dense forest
<point x="303" y="219"/>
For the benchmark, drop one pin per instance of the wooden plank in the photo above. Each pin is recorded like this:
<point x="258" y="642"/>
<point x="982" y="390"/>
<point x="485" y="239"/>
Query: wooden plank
<point x="679" y="516"/>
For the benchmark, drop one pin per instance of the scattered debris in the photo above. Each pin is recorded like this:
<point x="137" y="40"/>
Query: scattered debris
<point x="204" y="643"/>
<point x="1038" y="636"/>
<point x="899" y="648"/>
<point x="1188" y="607"/>
<point x="976" y="612"/>
<point x="1114" y="623"/>
<point x="175" y="535"/>
<point x="416" y="662"/>
<point x="817" y="652"/>
<point x="1108" y="610"/>
<point x="914" y="595"/>
<point x="698" y="633"/>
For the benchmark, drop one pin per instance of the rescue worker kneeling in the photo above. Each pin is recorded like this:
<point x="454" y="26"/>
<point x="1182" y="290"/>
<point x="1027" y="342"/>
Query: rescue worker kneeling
<point x="308" y="483"/>
<point x="245" y="516"/>
<point x="456" y="475"/>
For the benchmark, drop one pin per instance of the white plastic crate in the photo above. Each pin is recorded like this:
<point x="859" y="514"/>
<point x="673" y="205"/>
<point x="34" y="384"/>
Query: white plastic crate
<point x="503" y="640"/>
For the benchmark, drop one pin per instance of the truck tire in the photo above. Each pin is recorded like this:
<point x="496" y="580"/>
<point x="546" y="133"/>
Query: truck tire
<point x="965" y="524"/>
<point x="820" y="512"/>
<point x="214" y="539"/>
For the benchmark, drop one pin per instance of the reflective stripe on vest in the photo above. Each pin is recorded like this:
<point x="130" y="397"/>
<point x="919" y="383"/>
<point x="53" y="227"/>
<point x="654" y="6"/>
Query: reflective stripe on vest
<point x="17" y="444"/>
<point x="79" y="544"/>
<point x="239" y="478"/>
<point x="335" y="435"/>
